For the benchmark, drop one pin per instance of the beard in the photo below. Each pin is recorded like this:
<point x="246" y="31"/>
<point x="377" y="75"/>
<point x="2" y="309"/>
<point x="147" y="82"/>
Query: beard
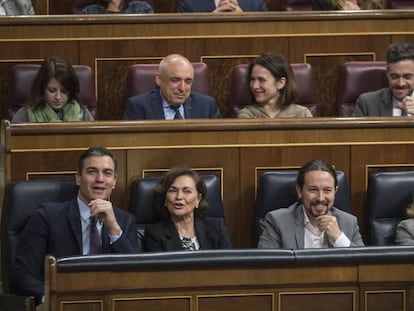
<point x="318" y="208"/>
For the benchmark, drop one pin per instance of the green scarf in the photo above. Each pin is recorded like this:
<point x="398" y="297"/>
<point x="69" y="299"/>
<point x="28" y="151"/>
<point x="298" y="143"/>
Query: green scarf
<point x="71" y="112"/>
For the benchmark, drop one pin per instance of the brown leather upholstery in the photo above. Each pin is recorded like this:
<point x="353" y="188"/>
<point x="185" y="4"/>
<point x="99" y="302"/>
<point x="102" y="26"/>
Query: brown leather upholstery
<point x="401" y="4"/>
<point x="21" y="78"/>
<point x="356" y="78"/>
<point x="304" y="78"/>
<point x="297" y="5"/>
<point x="141" y="78"/>
<point x="80" y="4"/>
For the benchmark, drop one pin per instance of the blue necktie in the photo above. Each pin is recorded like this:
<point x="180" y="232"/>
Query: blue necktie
<point x="177" y="112"/>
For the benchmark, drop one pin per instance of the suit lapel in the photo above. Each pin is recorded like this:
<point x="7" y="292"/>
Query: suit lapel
<point x="105" y="241"/>
<point x="156" y="104"/>
<point x="188" y="108"/>
<point x="172" y="237"/>
<point x="75" y="223"/>
<point x="299" y="226"/>
<point x="386" y="103"/>
<point x="202" y="232"/>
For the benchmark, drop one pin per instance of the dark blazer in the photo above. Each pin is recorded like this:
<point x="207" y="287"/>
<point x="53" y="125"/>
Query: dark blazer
<point x="163" y="236"/>
<point x="209" y="6"/>
<point x="284" y="228"/>
<point x="55" y="229"/>
<point x="324" y="5"/>
<point x="148" y="105"/>
<point x="374" y="104"/>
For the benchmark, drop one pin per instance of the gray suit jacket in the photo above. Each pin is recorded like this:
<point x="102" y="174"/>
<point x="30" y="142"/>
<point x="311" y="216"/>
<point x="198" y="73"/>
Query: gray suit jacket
<point x="284" y="228"/>
<point x="405" y="232"/>
<point x="374" y="104"/>
<point x="19" y="7"/>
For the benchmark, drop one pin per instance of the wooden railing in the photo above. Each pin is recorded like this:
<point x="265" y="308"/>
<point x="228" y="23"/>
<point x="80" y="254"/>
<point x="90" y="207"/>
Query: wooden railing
<point x="267" y="280"/>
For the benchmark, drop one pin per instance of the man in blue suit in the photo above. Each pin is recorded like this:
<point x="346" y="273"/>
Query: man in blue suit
<point x="217" y="6"/>
<point x="172" y="99"/>
<point x="65" y="228"/>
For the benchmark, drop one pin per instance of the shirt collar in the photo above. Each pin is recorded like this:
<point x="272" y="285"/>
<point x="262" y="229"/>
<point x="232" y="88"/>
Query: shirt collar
<point x="85" y="211"/>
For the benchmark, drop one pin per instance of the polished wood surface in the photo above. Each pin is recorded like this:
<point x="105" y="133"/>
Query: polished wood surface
<point x="279" y="285"/>
<point x="237" y="151"/>
<point x="110" y="44"/>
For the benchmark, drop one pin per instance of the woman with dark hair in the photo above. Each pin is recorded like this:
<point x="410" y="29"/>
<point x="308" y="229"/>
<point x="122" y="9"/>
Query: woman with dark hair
<point x="182" y="207"/>
<point x="118" y="6"/>
<point x="54" y="95"/>
<point x="273" y="92"/>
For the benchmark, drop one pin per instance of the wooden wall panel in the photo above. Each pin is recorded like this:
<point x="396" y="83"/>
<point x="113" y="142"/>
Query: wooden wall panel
<point x="236" y="302"/>
<point x="318" y="301"/>
<point x="153" y="304"/>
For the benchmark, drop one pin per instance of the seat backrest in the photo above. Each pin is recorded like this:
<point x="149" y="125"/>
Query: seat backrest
<point x="297" y="5"/>
<point x="21" y="78"/>
<point x="388" y="194"/>
<point x="21" y="199"/>
<point x="143" y="197"/>
<point x="304" y="77"/>
<point x="277" y="189"/>
<point x="141" y="78"/>
<point x="355" y="78"/>
<point x="80" y="4"/>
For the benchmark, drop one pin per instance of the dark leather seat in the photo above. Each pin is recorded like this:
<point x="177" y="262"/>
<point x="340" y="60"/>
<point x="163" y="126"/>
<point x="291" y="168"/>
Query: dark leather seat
<point x="21" y="78"/>
<point x="388" y="194"/>
<point x="277" y="189"/>
<point x="304" y="78"/>
<point x="297" y="5"/>
<point x="21" y="199"/>
<point x="141" y="78"/>
<point x="143" y="198"/>
<point x="355" y="78"/>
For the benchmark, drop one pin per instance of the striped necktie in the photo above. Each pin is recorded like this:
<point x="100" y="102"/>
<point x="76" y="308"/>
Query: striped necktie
<point x="95" y="237"/>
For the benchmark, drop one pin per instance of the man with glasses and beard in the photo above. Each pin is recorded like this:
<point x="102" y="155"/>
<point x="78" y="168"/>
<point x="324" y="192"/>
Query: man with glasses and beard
<point x="397" y="99"/>
<point x="313" y="221"/>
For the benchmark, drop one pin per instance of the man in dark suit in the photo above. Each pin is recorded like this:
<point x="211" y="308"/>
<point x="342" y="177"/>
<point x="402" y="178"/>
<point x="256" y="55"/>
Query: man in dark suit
<point x="64" y="229"/>
<point x="216" y="6"/>
<point x="397" y="99"/>
<point x="313" y="222"/>
<point x="172" y="99"/>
